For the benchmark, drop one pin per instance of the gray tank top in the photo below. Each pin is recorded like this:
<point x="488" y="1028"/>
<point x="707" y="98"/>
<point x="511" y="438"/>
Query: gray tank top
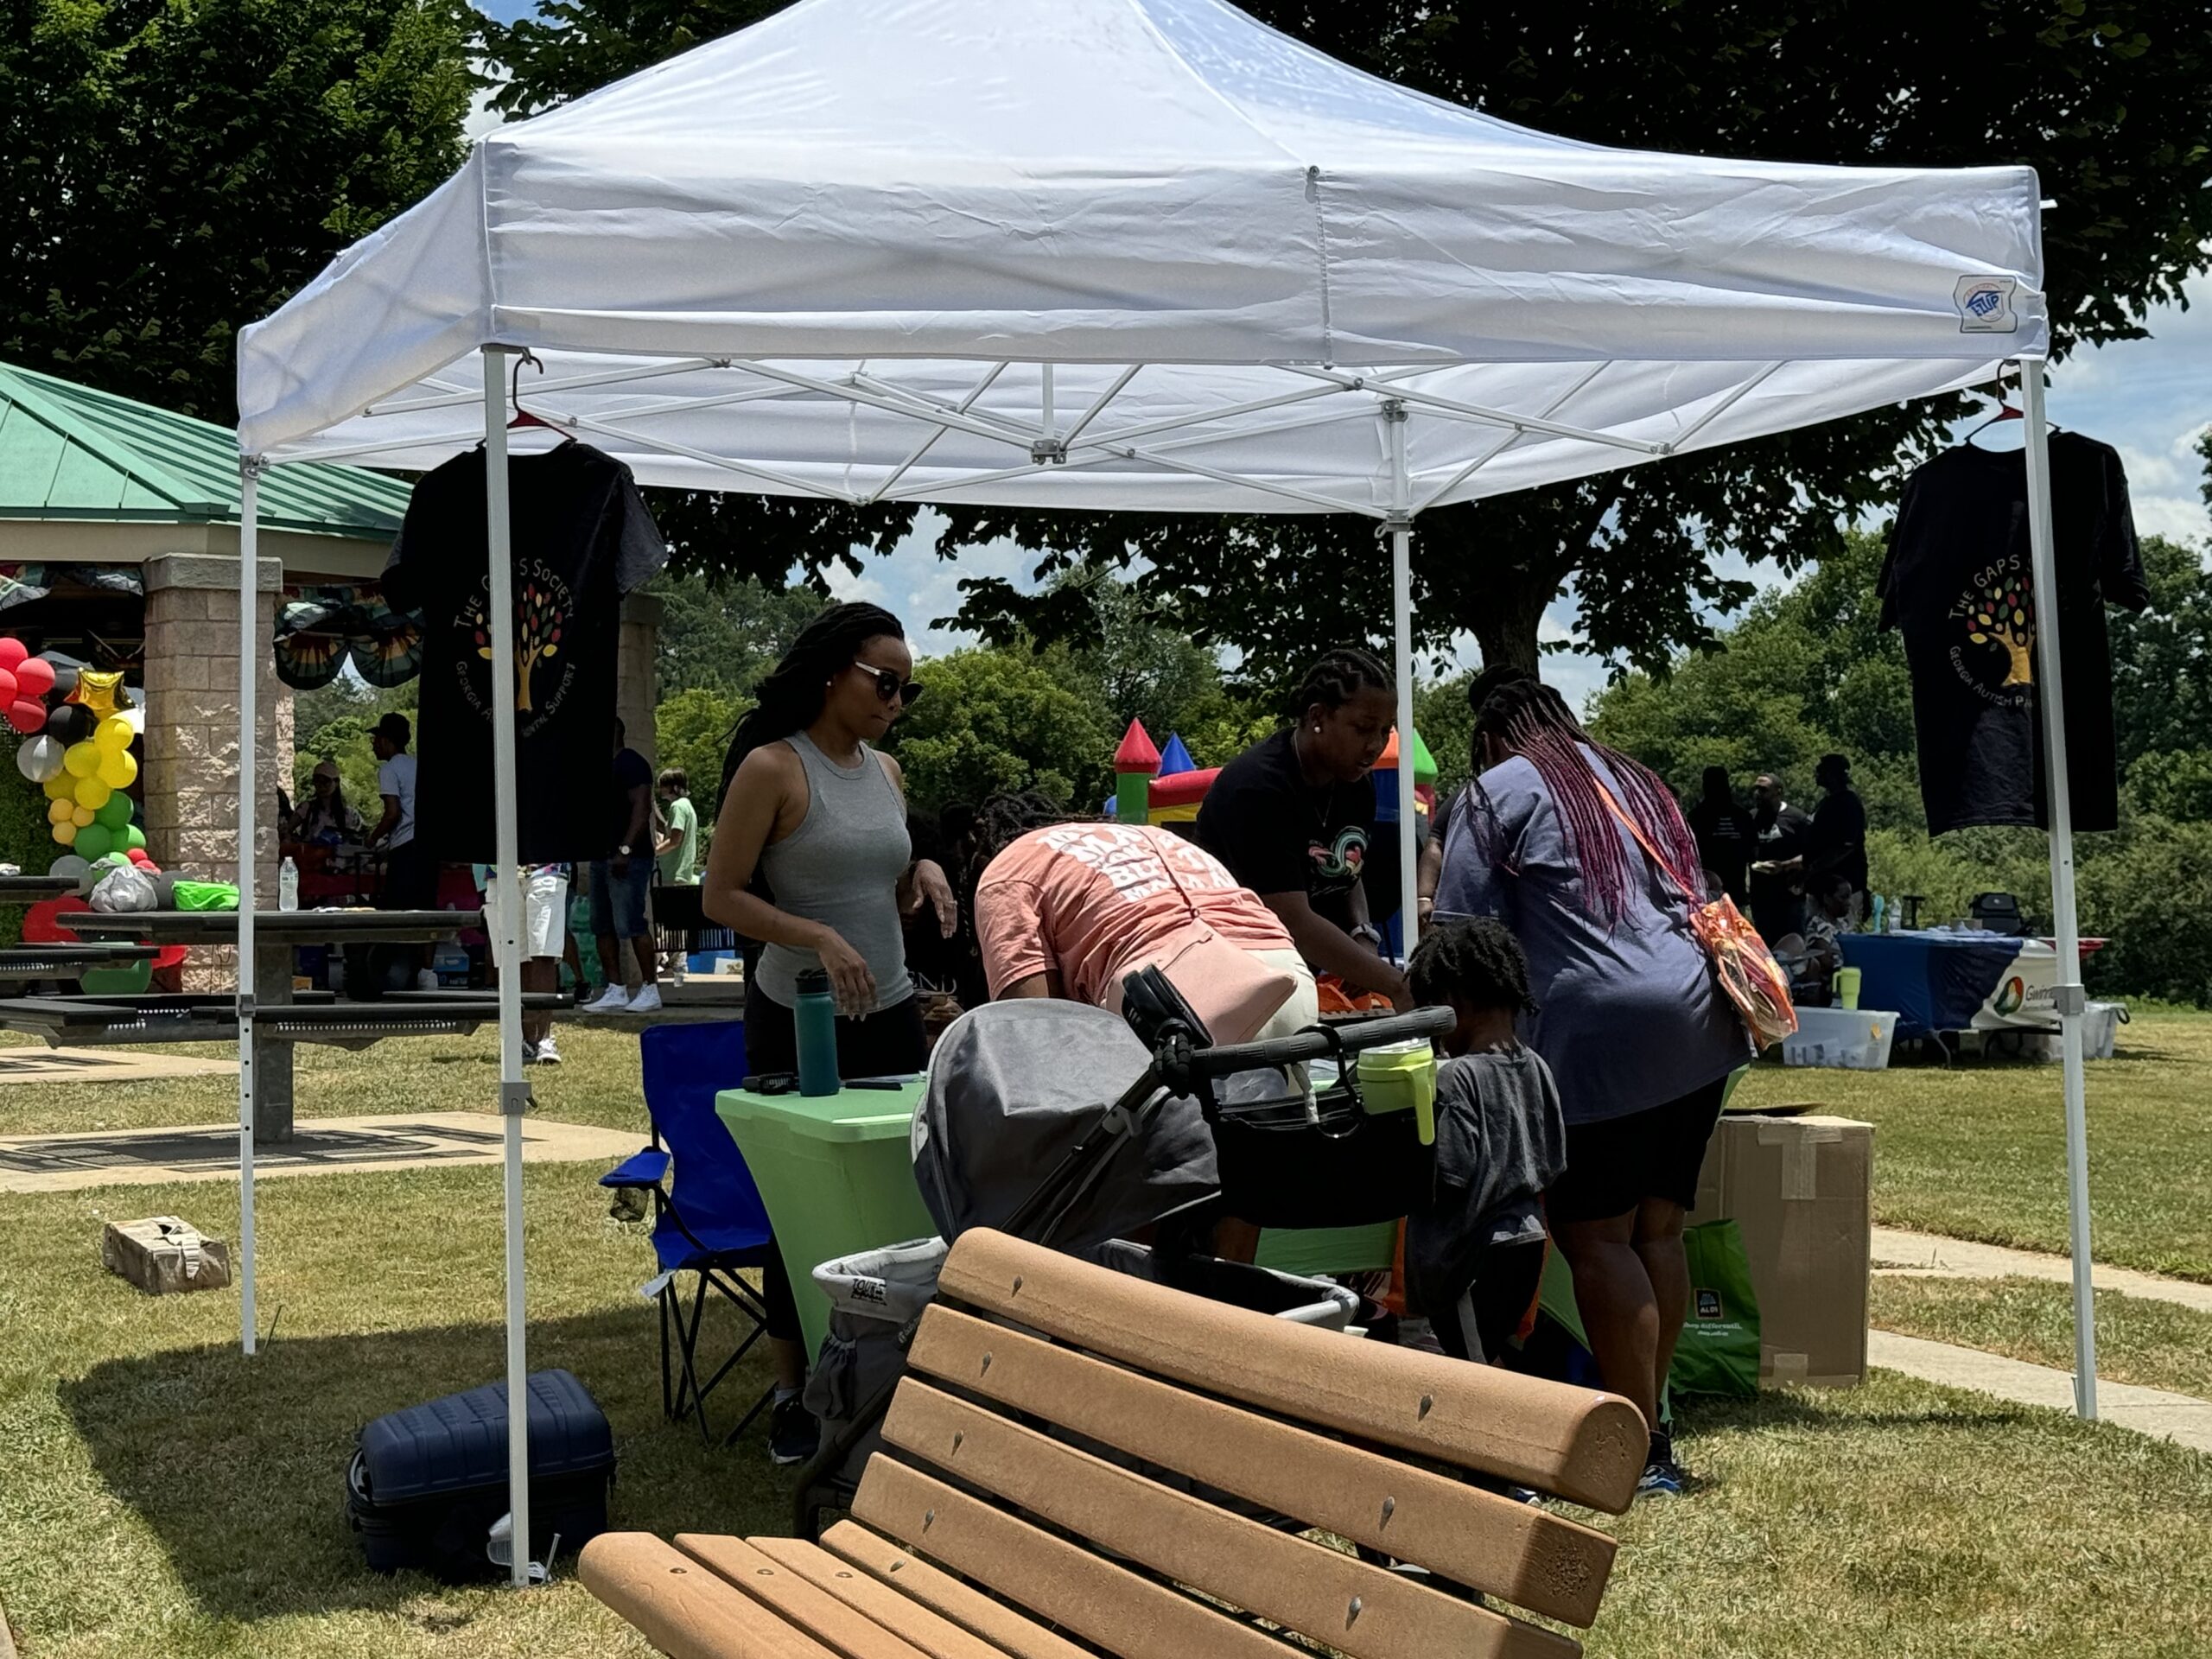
<point x="842" y="866"/>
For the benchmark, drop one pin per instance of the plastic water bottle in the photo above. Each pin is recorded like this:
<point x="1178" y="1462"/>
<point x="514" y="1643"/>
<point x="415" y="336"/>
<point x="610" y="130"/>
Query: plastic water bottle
<point x="815" y="1019"/>
<point x="288" y="885"/>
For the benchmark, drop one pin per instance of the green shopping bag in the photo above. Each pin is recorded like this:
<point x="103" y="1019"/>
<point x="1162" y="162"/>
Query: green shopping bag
<point x="1719" y="1352"/>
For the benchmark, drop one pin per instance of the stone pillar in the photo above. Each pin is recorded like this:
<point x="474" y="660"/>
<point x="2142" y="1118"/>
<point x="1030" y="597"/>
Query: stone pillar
<point x="637" y="675"/>
<point x="191" y="731"/>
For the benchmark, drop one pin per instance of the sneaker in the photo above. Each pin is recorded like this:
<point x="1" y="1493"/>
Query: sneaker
<point x="425" y="980"/>
<point x="647" y="1001"/>
<point x="1662" y="1480"/>
<point x="528" y="1053"/>
<point x="545" y="1054"/>
<point x="615" y="998"/>
<point x="794" y="1436"/>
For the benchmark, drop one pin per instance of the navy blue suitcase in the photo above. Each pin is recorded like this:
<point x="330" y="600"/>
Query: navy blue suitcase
<point x="427" y="1483"/>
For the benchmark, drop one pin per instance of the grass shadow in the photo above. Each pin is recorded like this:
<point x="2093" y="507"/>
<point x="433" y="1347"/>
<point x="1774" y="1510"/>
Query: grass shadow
<point x="1842" y="1412"/>
<point x="238" y="1465"/>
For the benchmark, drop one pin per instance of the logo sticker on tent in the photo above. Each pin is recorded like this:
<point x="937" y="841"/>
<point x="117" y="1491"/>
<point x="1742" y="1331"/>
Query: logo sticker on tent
<point x="1985" y="304"/>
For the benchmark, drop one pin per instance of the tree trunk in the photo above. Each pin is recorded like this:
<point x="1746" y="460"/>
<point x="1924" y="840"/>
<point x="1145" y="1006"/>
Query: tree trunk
<point x="1507" y="618"/>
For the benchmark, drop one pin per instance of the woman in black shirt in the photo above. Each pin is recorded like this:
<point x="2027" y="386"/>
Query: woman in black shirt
<point x="1293" y="816"/>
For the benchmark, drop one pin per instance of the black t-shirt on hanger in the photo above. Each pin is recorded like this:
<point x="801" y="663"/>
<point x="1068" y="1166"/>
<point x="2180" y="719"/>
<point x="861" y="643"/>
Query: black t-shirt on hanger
<point x="581" y="539"/>
<point x="1958" y="583"/>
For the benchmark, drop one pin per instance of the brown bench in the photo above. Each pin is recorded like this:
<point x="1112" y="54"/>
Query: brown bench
<point x="979" y="1536"/>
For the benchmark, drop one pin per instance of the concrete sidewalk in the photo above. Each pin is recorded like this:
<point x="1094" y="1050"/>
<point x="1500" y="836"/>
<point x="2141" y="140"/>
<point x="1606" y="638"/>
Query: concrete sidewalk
<point x="2177" y="1417"/>
<point x="1933" y="1255"/>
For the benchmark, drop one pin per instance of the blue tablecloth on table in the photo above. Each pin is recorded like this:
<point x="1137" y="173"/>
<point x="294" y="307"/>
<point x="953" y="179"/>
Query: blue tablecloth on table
<point x="1932" y="981"/>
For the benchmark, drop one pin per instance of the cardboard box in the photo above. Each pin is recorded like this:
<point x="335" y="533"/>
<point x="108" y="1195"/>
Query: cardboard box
<point x="163" y="1254"/>
<point x="1801" y="1189"/>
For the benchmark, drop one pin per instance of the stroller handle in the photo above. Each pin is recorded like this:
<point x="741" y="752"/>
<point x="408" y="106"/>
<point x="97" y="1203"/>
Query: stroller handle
<point x="1318" y="1042"/>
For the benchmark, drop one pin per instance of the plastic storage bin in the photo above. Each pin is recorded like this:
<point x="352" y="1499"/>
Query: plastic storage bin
<point x="1854" y="1039"/>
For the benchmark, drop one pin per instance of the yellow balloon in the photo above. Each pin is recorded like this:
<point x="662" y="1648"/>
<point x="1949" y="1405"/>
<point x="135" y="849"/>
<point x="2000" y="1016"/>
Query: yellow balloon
<point x="93" y="793"/>
<point x="80" y="759"/>
<point x="117" y="769"/>
<point x="111" y="734"/>
<point x="81" y="816"/>
<point x="65" y="833"/>
<point x="59" y="787"/>
<point x="58" y="811"/>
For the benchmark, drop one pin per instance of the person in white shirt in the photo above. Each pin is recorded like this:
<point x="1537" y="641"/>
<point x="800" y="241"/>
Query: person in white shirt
<point x="411" y="877"/>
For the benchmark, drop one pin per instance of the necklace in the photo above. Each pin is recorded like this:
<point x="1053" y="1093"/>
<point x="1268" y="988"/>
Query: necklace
<point x="1321" y="809"/>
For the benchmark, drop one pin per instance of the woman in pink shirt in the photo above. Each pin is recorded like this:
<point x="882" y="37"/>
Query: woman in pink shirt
<point x="1070" y="907"/>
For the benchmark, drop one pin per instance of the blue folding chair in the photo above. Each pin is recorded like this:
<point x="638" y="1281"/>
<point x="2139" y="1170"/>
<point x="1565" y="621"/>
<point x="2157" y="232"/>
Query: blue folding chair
<point x="707" y="1218"/>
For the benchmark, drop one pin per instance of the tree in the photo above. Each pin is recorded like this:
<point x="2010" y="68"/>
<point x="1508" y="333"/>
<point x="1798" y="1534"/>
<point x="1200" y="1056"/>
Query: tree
<point x="725" y="635"/>
<point x="1006" y="718"/>
<point x="691" y="729"/>
<point x="333" y="723"/>
<point x="175" y="171"/>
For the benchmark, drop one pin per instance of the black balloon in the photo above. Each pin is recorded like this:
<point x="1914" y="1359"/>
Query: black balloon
<point x="72" y="722"/>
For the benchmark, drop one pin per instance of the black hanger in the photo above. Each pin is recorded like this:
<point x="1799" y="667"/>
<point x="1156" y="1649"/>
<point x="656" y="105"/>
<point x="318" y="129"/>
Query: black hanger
<point x="523" y="416"/>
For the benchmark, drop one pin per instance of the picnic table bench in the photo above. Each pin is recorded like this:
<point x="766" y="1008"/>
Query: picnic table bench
<point x="310" y="1017"/>
<point x="987" y="1527"/>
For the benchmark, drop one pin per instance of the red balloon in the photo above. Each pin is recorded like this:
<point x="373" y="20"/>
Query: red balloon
<point x="27" y="717"/>
<point x="8" y="693"/>
<point x="34" y="676"/>
<point x="12" y="650"/>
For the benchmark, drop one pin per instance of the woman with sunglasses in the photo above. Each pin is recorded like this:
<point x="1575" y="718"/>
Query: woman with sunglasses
<point x="811" y="856"/>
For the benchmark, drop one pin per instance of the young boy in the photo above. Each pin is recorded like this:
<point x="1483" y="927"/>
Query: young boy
<point x="1475" y="1252"/>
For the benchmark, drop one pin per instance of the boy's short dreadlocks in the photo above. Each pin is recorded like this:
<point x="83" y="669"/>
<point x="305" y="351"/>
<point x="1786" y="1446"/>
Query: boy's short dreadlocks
<point x="1477" y="964"/>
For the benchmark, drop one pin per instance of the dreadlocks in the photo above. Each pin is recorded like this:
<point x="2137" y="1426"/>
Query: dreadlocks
<point x="1002" y="821"/>
<point x="1534" y="721"/>
<point x="1477" y="963"/>
<point x="791" y="696"/>
<point x="1338" y="677"/>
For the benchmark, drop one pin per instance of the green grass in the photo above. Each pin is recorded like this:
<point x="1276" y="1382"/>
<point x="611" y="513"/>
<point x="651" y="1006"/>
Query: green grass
<point x="1978" y="1150"/>
<point x="2138" y="1339"/>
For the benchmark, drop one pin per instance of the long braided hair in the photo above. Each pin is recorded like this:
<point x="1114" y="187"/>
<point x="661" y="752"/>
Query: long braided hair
<point x="1337" y="677"/>
<point x="1002" y="821"/>
<point x="1533" y="722"/>
<point x="790" y="699"/>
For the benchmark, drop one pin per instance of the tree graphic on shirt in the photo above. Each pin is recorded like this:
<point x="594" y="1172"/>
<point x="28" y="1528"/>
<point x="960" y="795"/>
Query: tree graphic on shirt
<point x="538" y="620"/>
<point x="2004" y="615"/>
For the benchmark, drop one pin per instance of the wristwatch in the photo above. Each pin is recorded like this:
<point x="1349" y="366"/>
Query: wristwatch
<point x="623" y="851"/>
<point x="1368" y="932"/>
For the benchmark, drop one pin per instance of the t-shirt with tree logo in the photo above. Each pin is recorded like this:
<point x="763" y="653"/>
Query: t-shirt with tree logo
<point x="1958" y="583"/>
<point x="580" y="538"/>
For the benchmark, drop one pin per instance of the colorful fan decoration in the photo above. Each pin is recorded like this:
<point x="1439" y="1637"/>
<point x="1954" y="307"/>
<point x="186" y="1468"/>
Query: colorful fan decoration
<point x="312" y="639"/>
<point x="387" y="647"/>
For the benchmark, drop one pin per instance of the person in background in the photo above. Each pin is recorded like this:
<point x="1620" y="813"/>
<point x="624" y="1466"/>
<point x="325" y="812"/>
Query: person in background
<point x="326" y="814"/>
<point x="1293" y="816"/>
<point x="621" y="886"/>
<point x="1475" y="1249"/>
<point x="811" y="805"/>
<point x="1814" y="958"/>
<point x="676" y="847"/>
<point x="411" y="877"/>
<point x="1778" y="832"/>
<point x="545" y="941"/>
<point x="1836" y="843"/>
<point x="1725" y="834"/>
<point x="1628" y="1015"/>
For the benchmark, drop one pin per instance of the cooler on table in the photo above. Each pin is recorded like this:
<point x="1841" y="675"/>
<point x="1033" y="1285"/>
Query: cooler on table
<point x="836" y="1173"/>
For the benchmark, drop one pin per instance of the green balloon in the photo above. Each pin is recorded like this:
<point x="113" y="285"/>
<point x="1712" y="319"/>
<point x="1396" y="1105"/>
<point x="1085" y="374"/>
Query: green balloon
<point x="134" y="838"/>
<point x="94" y="841"/>
<point x="114" y="812"/>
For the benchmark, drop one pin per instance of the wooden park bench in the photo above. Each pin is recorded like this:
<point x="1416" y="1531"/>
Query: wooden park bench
<point x="979" y="1534"/>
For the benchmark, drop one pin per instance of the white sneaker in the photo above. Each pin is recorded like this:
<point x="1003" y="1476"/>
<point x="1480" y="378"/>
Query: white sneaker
<point x="647" y="1001"/>
<point x="546" y="1054"/>
<point x="613" y="1000"/>
<point x="425" y="980"/>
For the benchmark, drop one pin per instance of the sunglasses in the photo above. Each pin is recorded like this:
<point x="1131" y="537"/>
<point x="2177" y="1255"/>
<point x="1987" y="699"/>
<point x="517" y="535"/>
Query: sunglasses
<point x="889" y="685"/>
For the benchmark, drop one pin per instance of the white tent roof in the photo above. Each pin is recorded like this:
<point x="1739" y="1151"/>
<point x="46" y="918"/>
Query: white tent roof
<point x="1185" y="252"/>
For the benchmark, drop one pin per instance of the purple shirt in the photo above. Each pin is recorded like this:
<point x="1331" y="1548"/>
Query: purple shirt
<point x="1629" y="1016"/>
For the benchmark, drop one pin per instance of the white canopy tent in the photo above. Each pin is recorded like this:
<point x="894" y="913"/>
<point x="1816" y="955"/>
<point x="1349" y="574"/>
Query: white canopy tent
<point x="1132" y="254"/>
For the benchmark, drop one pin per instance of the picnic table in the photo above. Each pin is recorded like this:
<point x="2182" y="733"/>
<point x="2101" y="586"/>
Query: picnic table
<point x="23" y="964"/>
<point x="277" y="933"/>
<point x="29" y="889"/>
<point x="1939" y="981"/>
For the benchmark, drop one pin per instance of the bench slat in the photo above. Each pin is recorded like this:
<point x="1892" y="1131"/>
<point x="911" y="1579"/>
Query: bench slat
<point x="793" y="1599"/>
<point x="1365" y="1612"/>
<point x="682" y="1609"/>
<point x="930" y="1632"/>
<point x="1129" y="1616"/>
<point x="1012" y="1632"/>
<point x="1580" y="1444"/>
<point x="1544" y="1562"/>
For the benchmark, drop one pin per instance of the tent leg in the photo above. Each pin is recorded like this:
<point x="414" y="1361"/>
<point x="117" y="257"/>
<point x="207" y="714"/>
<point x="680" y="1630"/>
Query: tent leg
<point x="2050" y="701"/>
<point x="250" y="648"/>
<point x="1401" y="526"/>
<point x="507" y="936"/>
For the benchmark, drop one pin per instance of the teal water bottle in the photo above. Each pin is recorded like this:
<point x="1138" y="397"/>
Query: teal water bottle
<point x="816" y="1018"/>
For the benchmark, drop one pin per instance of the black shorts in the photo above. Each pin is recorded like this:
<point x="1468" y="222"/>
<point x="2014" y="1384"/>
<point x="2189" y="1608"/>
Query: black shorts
<point x="410" y="879"/>
<point x="1614" y="1165"/>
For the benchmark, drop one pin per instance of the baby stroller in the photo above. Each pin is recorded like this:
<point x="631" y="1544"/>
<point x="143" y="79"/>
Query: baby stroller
<point x="1137" y="1125"/>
